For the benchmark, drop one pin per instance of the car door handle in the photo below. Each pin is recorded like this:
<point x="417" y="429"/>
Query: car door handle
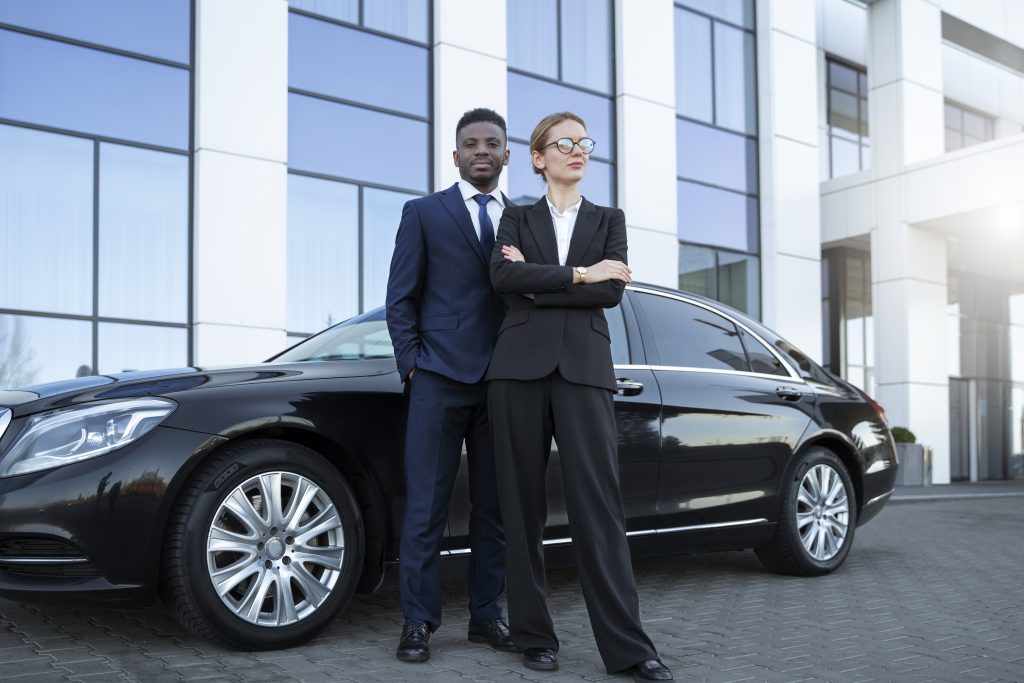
<point x="788" y="394"/>
<point x="628" y="387"/>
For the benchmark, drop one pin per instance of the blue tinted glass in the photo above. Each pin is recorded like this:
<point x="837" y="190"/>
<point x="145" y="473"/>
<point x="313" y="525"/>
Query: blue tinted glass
<point x="382" y="211"/>
<point x="159" y="28"/>
<point x="323" y="258"/>
<point x="391" y="74"/>
<point x="526" y="187"/>
<point x="719" y="217"/>
<point x="530" y="100"/>
<point x="716" y="156"/>
<point x="143" y="266"/>
<point x="406" y="18"/>
<point x="694" y="96"/>
<point x="735" y="99"/>
<point x="533" y="36"/>
<point x="599" y="183"/>
<point x="345" y="10"/>
<point x="127" y="348"/>
<point x="65" y="86"/>
<point x="587" y="43"/>
<point x="738" y="283"/>
<point x="736" y="11"/>
<point x="359" y="144"/>
<point x="38" y="350"/>
<point x="46" y="184"/>
<point x="697" y="270"/>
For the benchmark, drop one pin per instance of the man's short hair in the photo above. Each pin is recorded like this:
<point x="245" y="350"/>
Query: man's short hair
<point x="481" y="114"/>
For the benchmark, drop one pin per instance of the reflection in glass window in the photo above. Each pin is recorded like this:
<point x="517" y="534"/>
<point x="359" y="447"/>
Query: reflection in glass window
<point x="323" y="263"/>
<point x="740" y="12"/>
<point x="617" y="329"/>
<point x="688" y="336"/>
<point x="735" y="97"/>
<point x="965" y="127"/>
<point x="92" y="91"/>
<point x="382" y="211"/>
<point x="143" y="260"/>
<point x="351" y="142"/>
<point x="761" y="359"/>
<point x="694" y="96"/>
<point x="530" y="100"/>
<point x="342" y="10"/>
<point x="406" y="18"/>
<point x="716" y="157"/>
<point x="126" y="348"/>
<point x="391" y="74"/>
<point x="847" y="119"/>
<point x="159" y="28"/>
<point x="587" y="44"/>
<point x="722" y="218"/>
<point x="36" y="350"/>
<point x="697" y="270"/>
<point x="533" y="36"/>
<point x="46" y="193"/>
<point x="738" y="279"/>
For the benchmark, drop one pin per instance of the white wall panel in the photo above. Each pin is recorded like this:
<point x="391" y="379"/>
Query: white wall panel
<point x="645" y="34"/>
<point x="796" y="305"/>
<point x="472" y="25"/>
<point x="794" y="104"/>
<point x="653" y="256"/>
<point x="924" y="128"/>
<point x="795" y="215"/>
<point x="845" y="30"/>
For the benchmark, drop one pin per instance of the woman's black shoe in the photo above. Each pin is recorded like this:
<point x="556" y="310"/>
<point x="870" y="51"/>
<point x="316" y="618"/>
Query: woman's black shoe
<point x="540" y="658"/>
<point x="651" y="670"/>
<point x="413" y="645"/>
<point x="494" y="633"/>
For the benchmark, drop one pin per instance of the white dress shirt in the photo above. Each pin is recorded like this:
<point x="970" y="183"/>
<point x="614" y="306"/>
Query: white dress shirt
<point x="494" y="207"/>
<point x="564" y="224"/>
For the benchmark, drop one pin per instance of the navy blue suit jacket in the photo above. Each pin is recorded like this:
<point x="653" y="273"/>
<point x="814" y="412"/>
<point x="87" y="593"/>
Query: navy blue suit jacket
<point x="442" y="314"/>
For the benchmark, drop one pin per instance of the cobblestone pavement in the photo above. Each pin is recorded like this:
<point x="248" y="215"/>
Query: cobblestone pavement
<point x="932" y="591"/>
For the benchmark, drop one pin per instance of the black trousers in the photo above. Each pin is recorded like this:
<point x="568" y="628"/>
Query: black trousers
<point x="524" y="417"/>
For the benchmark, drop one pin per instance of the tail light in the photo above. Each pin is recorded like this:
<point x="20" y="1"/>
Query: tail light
<point x="877" y="407"/>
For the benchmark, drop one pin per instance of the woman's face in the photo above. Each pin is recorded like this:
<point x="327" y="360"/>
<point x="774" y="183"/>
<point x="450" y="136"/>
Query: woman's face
<point x="559" y="168"/>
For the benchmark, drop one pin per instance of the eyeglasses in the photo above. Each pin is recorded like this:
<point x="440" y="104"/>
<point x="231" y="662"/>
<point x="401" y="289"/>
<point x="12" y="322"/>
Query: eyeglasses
<point x="566" y="145"/>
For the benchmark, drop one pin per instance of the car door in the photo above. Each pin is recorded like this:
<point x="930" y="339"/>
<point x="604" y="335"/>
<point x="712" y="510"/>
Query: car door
<point x="728" y="427"/>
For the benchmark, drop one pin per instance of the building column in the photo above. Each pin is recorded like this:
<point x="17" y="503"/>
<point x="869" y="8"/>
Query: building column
<point x="470" y="70"/>
<point x="788" y="146"/>
<point x="645" y="113"/>
<point x="908" y="263"/>
<point x="240" y="185"/>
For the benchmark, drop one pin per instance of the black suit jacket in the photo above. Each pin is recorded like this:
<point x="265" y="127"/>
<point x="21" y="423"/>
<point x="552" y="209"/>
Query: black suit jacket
<point x="563" y="327"/>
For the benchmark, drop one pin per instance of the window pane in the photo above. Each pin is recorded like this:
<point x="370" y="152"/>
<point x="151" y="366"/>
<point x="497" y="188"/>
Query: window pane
<point x="46" y="184"/>
<point x="587" y="43"/>
<point x="39" y="350"/>
<point x="382" y="212"/>
<point x="845" y="156"/>
<point x="355" y="143"/>
<point x="842" y="111"/>
<point x="323" y="262"/>
<point x="736" y="11"/>
<point x="738" y="282"/>
<point x="143" y="265"/>
<point x="697" y="270"/>
<point x="863" y="117"/>
<point x="954" y="117"/>
<point x="530" y="100"/>
<point x="974" y="126"/>
<point x="406" y="18"/>
<point x="160" y="28"/>
<point x="126" y="348"/>
<point x="524" y="186"/>
<point x="391" y="74"/>
<point x="708" y="215"/>
<point x="761" y="359"/>
<point x="75" y="88"/>
<point x="533" y="37"/>
<point x="343" y="10"/>
<point x="688" y="336"/>
<point x="842" y="76"/>
<point x="735" y="99"/>
<point x="617" y="328"/>
<point x="693" y="66"/>
<point x="715" y="156"/>
<point x="598" y="185"/>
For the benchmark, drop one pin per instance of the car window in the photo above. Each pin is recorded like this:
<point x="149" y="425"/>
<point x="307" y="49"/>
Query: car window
<point x="617" y="328"/>
<point x="693" y="337"/>
<point x="807" y="368"/>
<point x="362" y="337"/>
<point x="761" y="359"/>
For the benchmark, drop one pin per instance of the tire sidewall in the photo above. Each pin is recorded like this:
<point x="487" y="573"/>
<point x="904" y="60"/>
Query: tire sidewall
<point x="217" y="483"/>
<point x="812" y="458"/>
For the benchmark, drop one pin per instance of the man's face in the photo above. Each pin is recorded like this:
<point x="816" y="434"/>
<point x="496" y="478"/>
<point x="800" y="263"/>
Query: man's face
<point x="481" y="153"/>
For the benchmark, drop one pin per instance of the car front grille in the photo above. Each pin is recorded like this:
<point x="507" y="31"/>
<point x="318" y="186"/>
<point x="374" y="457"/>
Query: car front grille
<point x="44" y="557"/>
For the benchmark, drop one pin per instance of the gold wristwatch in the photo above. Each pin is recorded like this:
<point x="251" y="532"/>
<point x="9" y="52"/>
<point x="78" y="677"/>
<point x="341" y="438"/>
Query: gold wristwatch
<point x="582" y="273"/>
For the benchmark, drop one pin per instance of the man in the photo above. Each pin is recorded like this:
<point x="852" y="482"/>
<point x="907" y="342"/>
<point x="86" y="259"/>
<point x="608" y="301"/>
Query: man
<point x="443" y="318"/>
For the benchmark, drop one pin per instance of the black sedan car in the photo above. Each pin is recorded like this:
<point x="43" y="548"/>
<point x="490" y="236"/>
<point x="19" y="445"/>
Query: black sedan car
<point x="256" y="500"/>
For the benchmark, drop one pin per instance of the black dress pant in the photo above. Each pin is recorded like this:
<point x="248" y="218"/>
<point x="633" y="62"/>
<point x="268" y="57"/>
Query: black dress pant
<point x="524" y="417"/>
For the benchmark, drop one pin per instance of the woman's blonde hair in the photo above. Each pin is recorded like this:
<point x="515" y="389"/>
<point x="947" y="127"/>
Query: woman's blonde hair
<point x="540" y="133"/>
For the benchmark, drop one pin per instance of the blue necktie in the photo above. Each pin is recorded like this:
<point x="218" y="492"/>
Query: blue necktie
<point x="486" y="227"/>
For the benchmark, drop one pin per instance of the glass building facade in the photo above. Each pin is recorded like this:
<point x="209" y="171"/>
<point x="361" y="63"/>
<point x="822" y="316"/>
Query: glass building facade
<point x="95" y="178"/>
<point x="849" y="146"/>
<point x="716" y="155"/>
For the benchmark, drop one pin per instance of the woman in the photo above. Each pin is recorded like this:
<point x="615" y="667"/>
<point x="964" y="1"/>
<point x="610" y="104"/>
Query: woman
<point x="559" y="263"/>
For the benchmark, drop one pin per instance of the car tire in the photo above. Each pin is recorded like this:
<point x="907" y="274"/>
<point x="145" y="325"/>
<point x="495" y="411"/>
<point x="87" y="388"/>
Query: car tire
<point x="817" y="517"/>
<point x="251" y="575"/>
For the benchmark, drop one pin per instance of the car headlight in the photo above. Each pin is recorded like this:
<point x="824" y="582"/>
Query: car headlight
<point x="61" y="437"/>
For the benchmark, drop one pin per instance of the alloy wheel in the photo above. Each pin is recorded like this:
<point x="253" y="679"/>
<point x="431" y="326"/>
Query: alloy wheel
<point x="822" y="512"/>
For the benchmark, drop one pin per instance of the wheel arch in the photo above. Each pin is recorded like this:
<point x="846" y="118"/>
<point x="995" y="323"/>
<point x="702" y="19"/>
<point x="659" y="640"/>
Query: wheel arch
<point x="846" y="452"/>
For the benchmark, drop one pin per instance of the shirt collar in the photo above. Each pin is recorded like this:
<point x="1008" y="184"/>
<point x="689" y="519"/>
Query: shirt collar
<point x="569" y="210"/>
<point x="468" y="192"/>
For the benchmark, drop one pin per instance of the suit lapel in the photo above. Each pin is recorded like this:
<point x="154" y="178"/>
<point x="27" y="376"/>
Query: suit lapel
<point x="543" y="231"/>
<point x="453" y="202"/>
<point x="582" y="233"/>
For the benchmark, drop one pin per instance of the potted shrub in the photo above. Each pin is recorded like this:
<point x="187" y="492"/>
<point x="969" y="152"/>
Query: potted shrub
<point x="915" y="459"/>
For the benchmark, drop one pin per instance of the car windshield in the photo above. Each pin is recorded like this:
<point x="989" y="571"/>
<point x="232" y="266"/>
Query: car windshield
<point x="361" y="338"/>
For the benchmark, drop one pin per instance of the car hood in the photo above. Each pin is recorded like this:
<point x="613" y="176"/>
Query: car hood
<point x="174" y="380"/>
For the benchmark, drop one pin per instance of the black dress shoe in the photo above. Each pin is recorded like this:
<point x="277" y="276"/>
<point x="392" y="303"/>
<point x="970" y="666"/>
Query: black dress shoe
<point x="651" y="670"/>
<point x="494" y="633"/>
<point x="413" y="645"/>
<point x="540" y="658"/>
